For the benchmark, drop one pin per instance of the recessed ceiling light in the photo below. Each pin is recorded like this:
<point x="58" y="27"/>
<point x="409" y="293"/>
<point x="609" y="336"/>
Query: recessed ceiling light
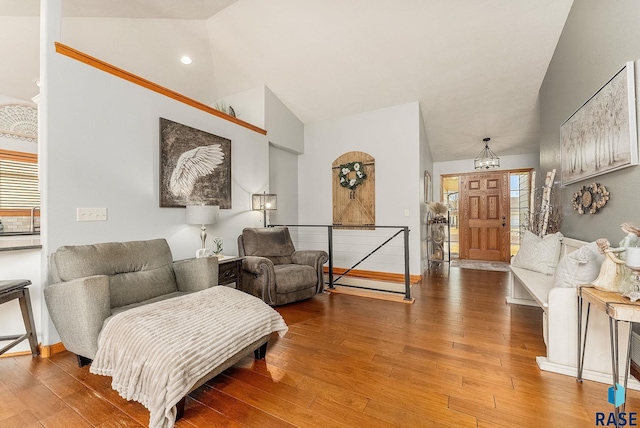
<point x="185" y="60"/>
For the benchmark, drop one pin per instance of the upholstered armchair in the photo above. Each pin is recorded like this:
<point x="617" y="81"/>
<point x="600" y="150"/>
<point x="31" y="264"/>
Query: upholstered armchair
<point x="274" y="271"/>
<point x="93" y="282"/>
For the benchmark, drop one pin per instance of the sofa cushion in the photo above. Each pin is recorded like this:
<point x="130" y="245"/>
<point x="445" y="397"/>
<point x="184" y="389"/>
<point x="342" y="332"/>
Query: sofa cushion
<point x="138" y="270"/>
<point x="579" y="267"/>
<point x="538" y="254"/>
<point x="272" y="242"/>
<point x="295" y="277"/>
<point x="117" y="310"/>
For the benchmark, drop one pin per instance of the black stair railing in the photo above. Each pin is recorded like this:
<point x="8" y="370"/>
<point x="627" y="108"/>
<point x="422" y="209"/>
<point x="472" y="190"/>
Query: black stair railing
<point x="402" y="229"/>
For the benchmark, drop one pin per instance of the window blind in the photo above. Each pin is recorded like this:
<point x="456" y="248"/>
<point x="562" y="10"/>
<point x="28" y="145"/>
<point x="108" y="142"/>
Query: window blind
<point x="18" y="180"/>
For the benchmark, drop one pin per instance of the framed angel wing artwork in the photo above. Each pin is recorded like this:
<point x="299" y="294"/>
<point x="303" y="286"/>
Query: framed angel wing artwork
<point x="195" y="167"/>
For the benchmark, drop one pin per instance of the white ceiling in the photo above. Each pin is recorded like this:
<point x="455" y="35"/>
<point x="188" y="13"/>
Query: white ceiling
<point x="475" y="66"/>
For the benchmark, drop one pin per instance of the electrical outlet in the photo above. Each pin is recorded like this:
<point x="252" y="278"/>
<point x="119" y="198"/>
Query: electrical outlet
<point x="91" y="214"/>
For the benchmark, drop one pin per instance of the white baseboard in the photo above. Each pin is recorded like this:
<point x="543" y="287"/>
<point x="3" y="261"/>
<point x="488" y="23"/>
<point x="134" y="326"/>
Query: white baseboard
<point x="606" y="378"/>
<point x="525" y="302"/>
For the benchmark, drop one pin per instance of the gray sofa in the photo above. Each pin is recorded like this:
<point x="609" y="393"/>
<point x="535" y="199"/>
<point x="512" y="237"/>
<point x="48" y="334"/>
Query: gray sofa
<point x="274" y="271"/>
<point x="94" y="282"/>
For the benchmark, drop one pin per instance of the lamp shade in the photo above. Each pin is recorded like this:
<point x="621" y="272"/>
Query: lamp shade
<point x="264" y="201"/>
<point x="202" y="214"/>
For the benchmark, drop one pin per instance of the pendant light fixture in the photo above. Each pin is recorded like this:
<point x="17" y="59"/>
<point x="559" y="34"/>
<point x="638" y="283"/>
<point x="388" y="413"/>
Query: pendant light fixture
<point x="486" y="159"/>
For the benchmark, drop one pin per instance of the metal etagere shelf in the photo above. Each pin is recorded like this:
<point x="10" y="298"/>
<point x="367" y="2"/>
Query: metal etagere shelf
<point x="438" y="239"/>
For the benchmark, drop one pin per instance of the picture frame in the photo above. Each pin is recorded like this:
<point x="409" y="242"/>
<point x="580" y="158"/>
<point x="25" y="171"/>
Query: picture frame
<point x="601" y="136"/>
<point x="195" y="167"/>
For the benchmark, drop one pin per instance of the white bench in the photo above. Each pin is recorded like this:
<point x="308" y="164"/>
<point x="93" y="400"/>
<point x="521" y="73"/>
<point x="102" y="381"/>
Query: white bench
<point x="560" y="325"/>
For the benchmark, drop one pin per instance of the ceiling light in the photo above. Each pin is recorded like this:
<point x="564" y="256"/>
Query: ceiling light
<point x="486" y="159"/>
<point x="185" y="60"/>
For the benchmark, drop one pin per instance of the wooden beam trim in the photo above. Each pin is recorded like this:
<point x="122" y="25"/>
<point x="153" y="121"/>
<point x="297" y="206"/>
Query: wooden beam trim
<point x="130" y="77"/>
<point x="373" y="275"/>
<point x="18" y="156"/>
<point x="17" y="212"/>
<point x="48" y="350"/>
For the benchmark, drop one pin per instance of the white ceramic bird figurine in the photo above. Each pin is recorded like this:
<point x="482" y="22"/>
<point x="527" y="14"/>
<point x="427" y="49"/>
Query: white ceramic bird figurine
<point x="192" y="165"/>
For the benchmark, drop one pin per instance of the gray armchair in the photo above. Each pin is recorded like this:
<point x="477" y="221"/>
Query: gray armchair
<point x="94" y="282"/>
<point x="274" y="271"/>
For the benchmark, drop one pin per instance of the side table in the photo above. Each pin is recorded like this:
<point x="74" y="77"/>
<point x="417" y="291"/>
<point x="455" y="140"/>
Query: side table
<point x="17" y="289"/>
<point x="230" y="270"/>
<point x="617" y="308"/>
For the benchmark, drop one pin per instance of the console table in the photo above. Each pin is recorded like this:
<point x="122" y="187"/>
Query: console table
<point x="617" y="308"/>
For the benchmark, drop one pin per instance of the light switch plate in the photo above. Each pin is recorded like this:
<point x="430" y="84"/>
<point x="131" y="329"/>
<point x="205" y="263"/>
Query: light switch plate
<point x="91" y="214"/>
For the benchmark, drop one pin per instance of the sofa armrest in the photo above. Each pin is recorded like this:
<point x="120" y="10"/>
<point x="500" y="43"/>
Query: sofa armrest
<point x="196" y="274"/>
<point x="259" y="278"/>
<point x="313" y="258"/>
<point x="256" y="265"/>
<point x="78" y="309"/>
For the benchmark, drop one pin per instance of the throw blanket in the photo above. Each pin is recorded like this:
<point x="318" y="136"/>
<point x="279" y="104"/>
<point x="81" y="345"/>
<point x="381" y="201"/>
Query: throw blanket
<point x="155" y="353"/>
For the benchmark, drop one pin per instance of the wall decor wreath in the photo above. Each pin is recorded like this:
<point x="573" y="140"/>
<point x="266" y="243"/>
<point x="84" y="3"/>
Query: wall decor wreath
<point x="351" y="175"/>
<point x="590" y="198"/>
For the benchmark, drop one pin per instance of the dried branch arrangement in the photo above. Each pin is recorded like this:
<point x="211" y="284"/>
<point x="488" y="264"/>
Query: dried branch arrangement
<point x="533" y="219"/>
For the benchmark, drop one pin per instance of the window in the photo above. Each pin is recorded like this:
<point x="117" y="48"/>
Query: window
<point x="519" y="188"/>
<point x="449" y="197"/>
<point x="18" y="183"/>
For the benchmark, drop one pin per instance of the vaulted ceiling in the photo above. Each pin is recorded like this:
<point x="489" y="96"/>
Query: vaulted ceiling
<point x="475" y="66"/>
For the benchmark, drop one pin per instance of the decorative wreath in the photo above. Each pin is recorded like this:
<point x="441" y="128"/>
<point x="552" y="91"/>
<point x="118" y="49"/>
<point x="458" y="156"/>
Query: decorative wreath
<point x="591" y="198"/>
<point x="351" y="175"/>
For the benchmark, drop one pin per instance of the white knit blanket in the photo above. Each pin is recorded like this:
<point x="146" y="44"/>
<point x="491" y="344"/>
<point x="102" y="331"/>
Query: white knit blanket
<point x="156" y="353"/>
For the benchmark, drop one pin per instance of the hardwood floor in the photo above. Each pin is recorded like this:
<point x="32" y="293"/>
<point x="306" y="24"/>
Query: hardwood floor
<point x="458" y="357"/>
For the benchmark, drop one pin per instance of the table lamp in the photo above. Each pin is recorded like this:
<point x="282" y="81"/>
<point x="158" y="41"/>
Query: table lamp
<point x="264" y="202"/>
<point x="203" y="215"/>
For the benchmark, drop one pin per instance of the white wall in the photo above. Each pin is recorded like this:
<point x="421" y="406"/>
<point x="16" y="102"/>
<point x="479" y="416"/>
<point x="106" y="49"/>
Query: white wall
<point x="283" y="127"/>
<point x="100" y="138"/>
<point x="426" y="164"/>
<point x="391" y="136"/>
<point x="18" y="145"/>
<point x="248" y="105"/>
<point x="285" y="132"/>
<point x="530" y="160"/>
<point x="261" y="107"/>
<point x="283" y="181"/>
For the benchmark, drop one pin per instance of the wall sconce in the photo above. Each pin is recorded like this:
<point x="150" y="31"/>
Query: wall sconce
<point x="264" y="202"/>
<point x="203" y="215"/>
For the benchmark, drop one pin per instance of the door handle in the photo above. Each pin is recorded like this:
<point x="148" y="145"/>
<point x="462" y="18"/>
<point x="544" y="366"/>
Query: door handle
<point x="504" y="223"/>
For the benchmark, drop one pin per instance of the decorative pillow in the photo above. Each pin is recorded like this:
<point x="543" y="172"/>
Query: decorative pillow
<point x="538" y="254"/>
<point x="579" y="267"/>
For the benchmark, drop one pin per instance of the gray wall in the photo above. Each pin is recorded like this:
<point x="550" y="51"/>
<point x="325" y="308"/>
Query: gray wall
<point x="283" y="181"/>
<point x="599" y="37"/>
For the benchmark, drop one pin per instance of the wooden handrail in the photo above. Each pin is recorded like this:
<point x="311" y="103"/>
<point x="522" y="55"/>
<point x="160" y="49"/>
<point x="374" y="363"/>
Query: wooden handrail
<point x="133" y="78"/>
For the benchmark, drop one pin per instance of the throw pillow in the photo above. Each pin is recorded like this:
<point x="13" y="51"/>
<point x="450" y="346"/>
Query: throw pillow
<point x="579" y="267"/>
<point x="538" y="254"/>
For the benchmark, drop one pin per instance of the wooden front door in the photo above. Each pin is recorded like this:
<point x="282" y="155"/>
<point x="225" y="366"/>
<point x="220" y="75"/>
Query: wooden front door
<point x="484" y="216"/>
